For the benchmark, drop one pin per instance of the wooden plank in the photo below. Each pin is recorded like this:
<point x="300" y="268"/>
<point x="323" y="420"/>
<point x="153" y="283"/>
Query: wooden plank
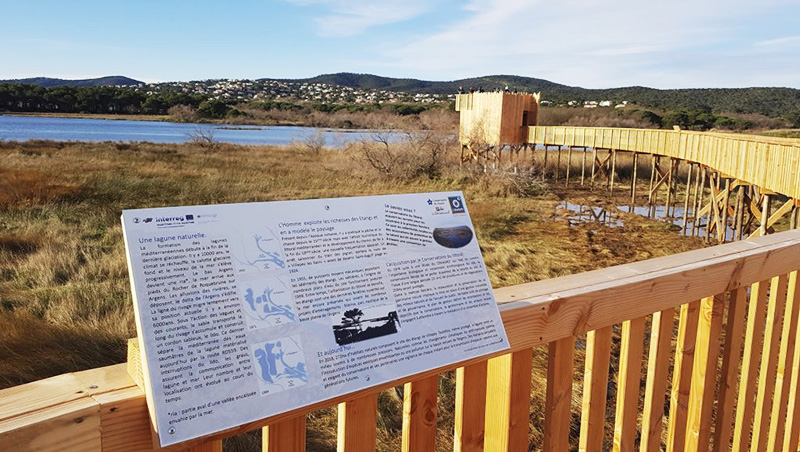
<point x="682" y="377"/>
<point x="656" y="385"/>
<point x="508" y="387"/>
<point x="734" y="337"/>
<point x="704" y="372"/>
<point x="357" y="424"/>
<point x="470" y="413"/>
<point x="595" y="388"/>
<point x="211" y="446"/>
<point x="630" y="369"/>
<point x="783" y="376"/>
<point x="769" y="361"/>
<point x="125" y="420"/>
<point x="419" y="414"/>
<point x="73" y="426"/>
<point x="792" y="432"/>
<point x="751" y="357"/>
<point x="288" y="435"/>
<point x="533" y="314"/>
<point x="559" y="395"/>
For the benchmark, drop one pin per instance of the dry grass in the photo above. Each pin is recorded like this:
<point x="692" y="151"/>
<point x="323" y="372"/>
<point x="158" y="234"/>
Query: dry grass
<point x="65" y="300"/>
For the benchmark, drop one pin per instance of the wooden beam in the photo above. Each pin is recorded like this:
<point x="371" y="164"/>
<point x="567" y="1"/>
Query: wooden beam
<point x="508" y="387"/>
<point x="686" y="200"/>
<point x="533" y="314"/>
<point x="751" y="357"/>
<point x="595" y="388"/>
<point x="726" y="400"/>
<point x="470" y="408"/>
<point x="704" y="372"/>
<point x="783" y="375"/>
<point x="769" y="360"/>
<point x="357" y="424"/>
<point x="656" y="385"/>
<point x="419" y="414"/>
<point x="630" y="369"/>
<point x="288" y="435"/>
<point x="682" y="377"/>
<point x="792" y="432"/>
<point x="559" y="395"/>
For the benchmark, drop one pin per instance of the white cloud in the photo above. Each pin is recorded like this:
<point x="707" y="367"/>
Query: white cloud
<point x="779" y="41"/>
<point x="594" y="44"/>
<point x="353" y="17"/>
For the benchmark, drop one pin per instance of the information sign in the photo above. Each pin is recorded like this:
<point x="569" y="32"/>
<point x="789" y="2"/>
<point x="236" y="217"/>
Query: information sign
<point x="248" y="310"/>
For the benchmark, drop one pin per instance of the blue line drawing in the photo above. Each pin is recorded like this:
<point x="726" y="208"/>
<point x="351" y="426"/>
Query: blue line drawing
<point x="259" y="251"/>
<point x="268" y="256"/>
<point x="281" y="365"/>
<point x="263" y="306"/>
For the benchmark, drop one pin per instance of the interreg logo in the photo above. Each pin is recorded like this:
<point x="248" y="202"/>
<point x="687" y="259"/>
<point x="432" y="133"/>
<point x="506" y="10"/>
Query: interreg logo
<point x="456" y="204"/>
<point x="188" y="218"/>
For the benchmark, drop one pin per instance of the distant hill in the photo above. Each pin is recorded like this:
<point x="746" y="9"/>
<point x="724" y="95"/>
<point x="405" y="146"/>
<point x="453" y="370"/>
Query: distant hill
<point x="767" y="101"/>
<point x="46" y="82"/>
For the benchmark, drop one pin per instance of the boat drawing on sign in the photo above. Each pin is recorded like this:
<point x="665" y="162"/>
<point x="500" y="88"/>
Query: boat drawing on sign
<point x="353" y="327"/>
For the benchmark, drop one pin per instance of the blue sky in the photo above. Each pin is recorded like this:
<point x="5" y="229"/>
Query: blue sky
<point x="589" y="43"/>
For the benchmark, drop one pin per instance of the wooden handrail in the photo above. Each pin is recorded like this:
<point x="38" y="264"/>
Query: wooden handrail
<point x="103" y="409"/>
<point x="770" y="163"/>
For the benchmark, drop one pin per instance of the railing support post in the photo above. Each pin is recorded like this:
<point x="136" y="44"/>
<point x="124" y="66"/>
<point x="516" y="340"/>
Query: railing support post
<point x="508" y="387"/>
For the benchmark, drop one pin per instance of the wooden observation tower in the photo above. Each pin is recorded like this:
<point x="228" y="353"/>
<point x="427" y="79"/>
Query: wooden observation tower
<point x="492" y="121"/>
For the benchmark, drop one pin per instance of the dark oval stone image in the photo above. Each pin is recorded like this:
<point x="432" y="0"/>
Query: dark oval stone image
<point x="454" y="237"/>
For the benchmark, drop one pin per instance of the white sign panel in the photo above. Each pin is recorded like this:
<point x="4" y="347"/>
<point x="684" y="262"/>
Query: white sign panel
<point x="249" y="310"/>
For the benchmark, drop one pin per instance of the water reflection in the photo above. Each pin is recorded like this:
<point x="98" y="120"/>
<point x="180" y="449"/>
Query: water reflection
<point x="576" y="214"/>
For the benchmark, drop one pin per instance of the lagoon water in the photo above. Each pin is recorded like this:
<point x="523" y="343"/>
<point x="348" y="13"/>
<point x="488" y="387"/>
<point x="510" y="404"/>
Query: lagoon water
<point x="21" y="128"/>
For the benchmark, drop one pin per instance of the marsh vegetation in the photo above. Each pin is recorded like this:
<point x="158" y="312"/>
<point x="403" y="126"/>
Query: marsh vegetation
<point x="65" y="302"/>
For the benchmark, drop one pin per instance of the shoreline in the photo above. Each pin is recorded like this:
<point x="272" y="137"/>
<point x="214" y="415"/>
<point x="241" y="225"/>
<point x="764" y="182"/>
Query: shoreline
<point x="158" y="118"/>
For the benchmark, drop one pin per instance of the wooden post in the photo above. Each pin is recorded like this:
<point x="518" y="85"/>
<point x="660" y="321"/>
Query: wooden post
<point x="682" y="376"/>
<point x="544" y="165"/>
<point x="725" y="203"/>
<point x="595" y="387"/>
<point x="793" y="216"/>
<point x="762" y="228"/>
<point x="583" y="166"/>
<point x="613" y="170"/>
<point x="357" y="424"/>
<point x="633" y="179"/>
<point x="288" y="435"/>
<point x="769" y="361"/>
<point x="559" y="395"/>
<point x="569" y="164"/>
<point x="594" y="164"/>
<point x="729" y="373"/>
<point x="558" y="163"/>
<point x="419" y="414"/>
<point x="655" y="388"/>
<point x="650" y="198"/>
<point x="670" y="181"/>
<point x="699" y="186"/>
<point x="470" y="417"/>
<point x="751" y="357"/>
<point x="738" y="213"/>
<point x="630" y="369"/>
<point x="508" y="388"/>
<point x="686" y="200"/>
<point x="704" y="373"/>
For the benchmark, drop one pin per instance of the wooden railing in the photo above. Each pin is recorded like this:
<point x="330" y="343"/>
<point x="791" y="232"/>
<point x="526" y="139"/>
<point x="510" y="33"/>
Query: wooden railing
<point x="729" y="382"/>
<point x="767" y="162"/>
